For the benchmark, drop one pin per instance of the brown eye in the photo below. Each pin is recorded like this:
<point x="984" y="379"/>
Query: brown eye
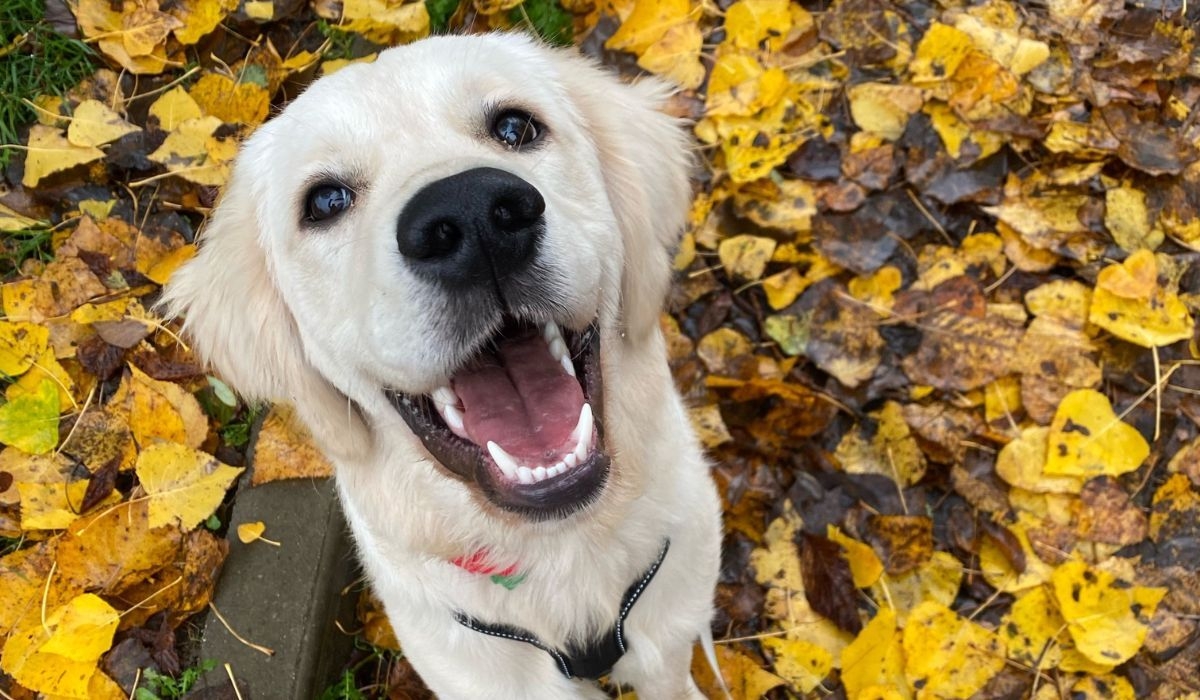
<point x="515" y="128"/>
<point x="327" y="201"/>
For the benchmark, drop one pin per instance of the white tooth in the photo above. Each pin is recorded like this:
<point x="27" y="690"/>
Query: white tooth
<point x="552" y="472"/>
<point x="525" y="475"/>
<point x="550" y="332"/>
<point x="539" y="474"/>
<point x="583" y="433"/>
<point x="569" y="461"/>
<point x="454" y="419"/>
<point x="559" y="468"/>
<point x="566" y="363"/>
<point x="444" y="396"/>
<point x="558" y="348"/>
<point x="507" y="464"/>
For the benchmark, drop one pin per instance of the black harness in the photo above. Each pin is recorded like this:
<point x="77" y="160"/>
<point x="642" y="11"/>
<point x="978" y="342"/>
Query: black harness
<point x="593" y="659"/>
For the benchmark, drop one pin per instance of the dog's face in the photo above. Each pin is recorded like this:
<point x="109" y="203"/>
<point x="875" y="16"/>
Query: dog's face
<point x="447" y="234"/>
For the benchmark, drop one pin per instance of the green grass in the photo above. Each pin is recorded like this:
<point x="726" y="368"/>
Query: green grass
<point x="25" y="244"/>
<point x="158" y="686"/>
<point x="34" y="60"/>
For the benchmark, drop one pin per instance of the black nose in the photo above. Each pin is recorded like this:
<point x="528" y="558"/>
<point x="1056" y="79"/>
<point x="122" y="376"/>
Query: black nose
<point x="476" y="227"/>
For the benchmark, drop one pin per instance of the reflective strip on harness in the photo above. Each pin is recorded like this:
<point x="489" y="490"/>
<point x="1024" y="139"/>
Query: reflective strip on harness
<point x="600" y="654"/>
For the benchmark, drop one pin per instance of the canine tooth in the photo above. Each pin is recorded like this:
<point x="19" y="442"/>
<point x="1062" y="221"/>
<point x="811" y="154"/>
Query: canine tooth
<point x="550" y="332"/>
<point x="540" y="474"/>
<point x="566" y="363"/>
<point x="444" y="396"/>
<point x="525" y="475"/>
<point x="583" y="433"/>
<point x="569" y="461"/>
<point x="507" y="464"/>
<point x="558" y="348"/>
<point x="453" y="418"/>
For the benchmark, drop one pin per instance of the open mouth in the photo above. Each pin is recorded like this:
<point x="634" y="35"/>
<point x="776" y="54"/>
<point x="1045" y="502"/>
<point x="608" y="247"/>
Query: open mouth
<point x="521" y="419"/>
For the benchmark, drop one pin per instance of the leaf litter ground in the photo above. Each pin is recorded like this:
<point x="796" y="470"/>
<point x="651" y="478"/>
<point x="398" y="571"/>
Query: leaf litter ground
<point x="935" y="322"/>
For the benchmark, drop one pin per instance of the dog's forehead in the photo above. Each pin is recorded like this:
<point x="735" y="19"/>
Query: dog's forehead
<point x="442" y="74"/>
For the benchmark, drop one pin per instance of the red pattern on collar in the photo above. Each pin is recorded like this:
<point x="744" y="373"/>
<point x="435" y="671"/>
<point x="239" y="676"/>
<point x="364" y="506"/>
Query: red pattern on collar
<point x="479" y="562"/>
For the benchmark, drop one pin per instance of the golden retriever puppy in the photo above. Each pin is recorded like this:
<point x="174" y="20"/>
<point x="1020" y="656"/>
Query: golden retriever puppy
<point x="452" y="262"/>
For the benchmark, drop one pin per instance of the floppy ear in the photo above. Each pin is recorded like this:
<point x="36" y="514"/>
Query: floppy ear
<point x="646" y="158"/>
<point x="238" y="324"/>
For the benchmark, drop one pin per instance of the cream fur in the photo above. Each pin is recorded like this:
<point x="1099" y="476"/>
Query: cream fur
<point x="327" y="319"/>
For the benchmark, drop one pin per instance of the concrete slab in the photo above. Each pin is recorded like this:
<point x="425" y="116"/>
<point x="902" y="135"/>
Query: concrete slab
<point x="286" y="598"/>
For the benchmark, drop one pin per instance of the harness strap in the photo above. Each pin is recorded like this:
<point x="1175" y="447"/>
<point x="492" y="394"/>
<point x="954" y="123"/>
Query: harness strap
<point x="593" y="659"/>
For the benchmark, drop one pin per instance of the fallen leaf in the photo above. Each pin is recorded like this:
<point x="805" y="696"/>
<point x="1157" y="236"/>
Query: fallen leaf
<point x="875" y="659"/>
<point x="947" y="656"/>
<point x="1129" y="304"/>
<point x="30" y="421"/>
<point x="1106" y="617"/>
<point x="94" y="124"/>
<point x="1087" y="439"/>
<point x="285" y="449"/>
<point x="184" y="486"/>
<point x="50" y="152"/>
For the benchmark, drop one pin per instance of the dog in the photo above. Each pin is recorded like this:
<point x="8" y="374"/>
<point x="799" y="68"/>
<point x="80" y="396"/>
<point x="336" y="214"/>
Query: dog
<point x="452" y="262"/>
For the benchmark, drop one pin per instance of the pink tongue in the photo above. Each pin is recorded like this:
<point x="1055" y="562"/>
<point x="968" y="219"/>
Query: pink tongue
<point x="521" y="398"/>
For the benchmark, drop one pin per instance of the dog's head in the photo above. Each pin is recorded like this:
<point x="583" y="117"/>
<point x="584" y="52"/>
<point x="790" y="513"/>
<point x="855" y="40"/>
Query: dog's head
<point x="447" y="234"/>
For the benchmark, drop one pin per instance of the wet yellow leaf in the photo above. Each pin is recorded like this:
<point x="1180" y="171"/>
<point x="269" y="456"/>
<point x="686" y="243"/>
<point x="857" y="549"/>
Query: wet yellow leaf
<point x="94" y="124"/>
<point x="709" y="425"/>
<point x="249" y="532"/>
<point x="30" y="421"/>
<point x="232" y="101"/>
<point x="1000" y="572"/>
<point x="745" y="256"/>
<point x="1022" y="463"/>
<point x="184" y="486"/>
<point x="937" y="579"/>
<point x="1087" y="439"/>
<point x="386" y="22"/>
<point x="46" y="368"/>
<point x="740" y="86"/>
<point x="1128" y="220"/>
<point x="938" y="53"/>
<point x="1129" y="304"/>
<point x="51" y="506"/>
<point x="192" y="153"/>
<point x="947" y="656"/>
<point x="173" y="108"/>
<point x="145" y="27"/>
<point x="158" y="410"/>
<point x="750" y="22"/>
<point x="13" y="221"/>
<point x="1104" y="687"/>
<point x="21" y="344"/>
<point x="646" y="25"/>
<point x="1004" y="45"/>
<point x="1066" y="301"/>
<point x="676" y="56"/>
<point x="109" y="27"/>
<point x="723" y="347"/>
<point x="801" y="663"/>
<point x="1033" y="631"/>
<point x="876" y="289"/>
<point x="744" y="676"/>
<point x="106" y="553"/>
<point x="1106" y="617"/>
<point x="286" y="450"/>
<point x="23" y="575"/>
<point x="198" y="18"/>
<point x="875" y="658"/>
<point x="50" y="152"/>
<point x="59" y="656"/>
<point x="885" y="446"/>
<point x="883" y="109"/>
<point x="865" y="566"/>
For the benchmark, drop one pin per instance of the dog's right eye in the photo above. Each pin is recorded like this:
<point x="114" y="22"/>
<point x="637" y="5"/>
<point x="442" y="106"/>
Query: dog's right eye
<point x="327" y="201"/>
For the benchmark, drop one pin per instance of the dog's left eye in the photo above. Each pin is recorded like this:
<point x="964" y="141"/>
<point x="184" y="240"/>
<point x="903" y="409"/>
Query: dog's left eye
<point x="515" y="128"/>
<point x="327" y="201"/>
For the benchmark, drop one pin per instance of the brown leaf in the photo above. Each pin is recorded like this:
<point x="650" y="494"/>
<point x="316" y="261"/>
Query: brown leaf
<point x="903" y="542"/>
<point x="101" y="484"/>
<point x="828" y="585"/>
